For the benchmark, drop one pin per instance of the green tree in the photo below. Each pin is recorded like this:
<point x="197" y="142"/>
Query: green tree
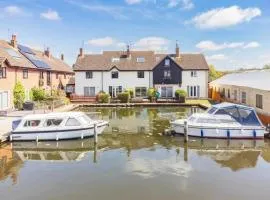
<point x="213" y="73"/>
<point x="266" y="66"/>
<point x="19" y="95"/>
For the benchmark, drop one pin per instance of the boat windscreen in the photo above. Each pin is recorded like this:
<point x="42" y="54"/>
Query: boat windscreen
<point x="211" y="110"/>
<point x="243" y="116"/>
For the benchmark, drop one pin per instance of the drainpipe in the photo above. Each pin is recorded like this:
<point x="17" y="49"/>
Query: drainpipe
<point x="102" y="81"/>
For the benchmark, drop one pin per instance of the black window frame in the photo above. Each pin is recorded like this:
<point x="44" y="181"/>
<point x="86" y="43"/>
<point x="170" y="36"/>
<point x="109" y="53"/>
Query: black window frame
<point x="259" y="101"/>
<point x="3" y="72"/>
<point x="113" y="74"/>
<point x="88" y="75"/>
<point x="140" y="74"/>
<point x="25" y="73"/>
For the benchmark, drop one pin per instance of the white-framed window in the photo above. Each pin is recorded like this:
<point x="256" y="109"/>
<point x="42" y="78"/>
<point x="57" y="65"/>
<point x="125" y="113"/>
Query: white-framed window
<point x="3" y="72"/>
<point x="167" y="62"/>
<point x="193" y="91"/>
<point x="115" y="59"/>
<point x="259" y="101"/>
<point x="244" y="97"/>
<point x="140" y="60"/>
<point x="193" y="73"/>
<point x="25" y="73"/>
<point x="115" y="74"/>
<point x="140" y="74"/>
<point x="88" y="74"/>
<point x="167" y="74"/>
<point x="89" y="91"/>
<point x="235" y="95"/>
<point x="140" y="91"/>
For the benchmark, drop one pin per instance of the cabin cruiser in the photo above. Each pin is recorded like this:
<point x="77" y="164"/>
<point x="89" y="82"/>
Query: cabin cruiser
<point x="56" y="126"/>
<point x="225" y="120"/>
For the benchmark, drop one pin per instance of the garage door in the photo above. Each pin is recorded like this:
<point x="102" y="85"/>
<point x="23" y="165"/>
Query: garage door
<point x="3" y="100"/>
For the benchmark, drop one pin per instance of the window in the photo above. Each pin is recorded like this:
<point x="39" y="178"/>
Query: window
<point x="140" y="74"/>
<point x="166" y="92"/>
<point x="72" y="122"/>
<point x="56" y="75"/>
<point x="48" y="78"/>
<point x="65" y="76"/>
<point x="193" y="91"/>
<point x="229" y="93"/>
<point x="259" y="101"/>
<point x="140" y="59"/>
<point x="115" y="90"/>
<point x="88" y="75"/>
<point x="115" y="74"/>
<point x="53" y="122"/>
<point x="235" y="95"/>
<point x="140" y="92"/>
<point x="89" y="91"/>
<point x="25" y="73"/>
<point x="167" y="74"/>
<point x="3" y="72"/>
<point x="41" y="75"/>
<point x="31" y="123"/>
<point x="115" y="59"/>
<point x="193" y="73"/>
<point x="244" y="97"/>
<point x="167" y="62"/>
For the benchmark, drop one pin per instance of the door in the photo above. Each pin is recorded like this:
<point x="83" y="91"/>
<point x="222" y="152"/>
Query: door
<point x="166" y="92"/>
<point x="3" y="100"/>
<point x="193" y="91"/>
<point x="115" y="90"/>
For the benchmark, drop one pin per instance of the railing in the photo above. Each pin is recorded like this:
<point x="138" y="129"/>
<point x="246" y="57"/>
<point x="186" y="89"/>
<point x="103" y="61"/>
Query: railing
<point x="83" y="98"/>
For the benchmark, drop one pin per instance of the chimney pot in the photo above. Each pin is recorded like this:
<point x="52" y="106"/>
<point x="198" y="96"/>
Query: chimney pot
<point x="81" y="52"/>
<point x="47" y="52"/>
<point x="62" y="57"/>
<point x="128" y="51"/>
<point x="177" y="50"/>
<point x="13" y="41"/>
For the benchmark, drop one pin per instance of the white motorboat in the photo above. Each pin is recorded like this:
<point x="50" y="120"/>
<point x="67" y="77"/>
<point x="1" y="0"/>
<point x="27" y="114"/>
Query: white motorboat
<point x="225" y="120"/>
<point x="56" y="126"/>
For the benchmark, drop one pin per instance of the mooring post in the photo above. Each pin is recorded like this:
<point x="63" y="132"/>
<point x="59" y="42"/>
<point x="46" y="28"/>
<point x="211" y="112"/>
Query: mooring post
<point x="186" y="152"/>
<point x="95" y="153"/>
<point x="95" y="133"/>
<point x="186" y="131"/>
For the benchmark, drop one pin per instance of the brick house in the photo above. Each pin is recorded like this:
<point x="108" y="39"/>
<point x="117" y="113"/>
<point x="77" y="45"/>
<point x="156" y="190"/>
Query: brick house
<point x="32" y="68"/>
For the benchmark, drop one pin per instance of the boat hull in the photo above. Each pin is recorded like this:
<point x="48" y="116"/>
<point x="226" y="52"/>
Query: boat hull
<point x="224" y="133"/>
<point x="58" y="134"/>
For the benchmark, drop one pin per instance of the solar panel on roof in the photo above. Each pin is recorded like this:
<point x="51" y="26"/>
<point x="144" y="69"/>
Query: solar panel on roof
<point x="25" y="49"/>
<point x="13" y="53"/>
<point x="37" y="62"/>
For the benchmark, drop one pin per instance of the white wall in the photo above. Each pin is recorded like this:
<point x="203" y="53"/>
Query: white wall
<point x="126" y="79"/>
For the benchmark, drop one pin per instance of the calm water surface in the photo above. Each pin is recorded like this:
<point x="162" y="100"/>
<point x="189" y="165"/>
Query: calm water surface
<point x="133" y="161"/>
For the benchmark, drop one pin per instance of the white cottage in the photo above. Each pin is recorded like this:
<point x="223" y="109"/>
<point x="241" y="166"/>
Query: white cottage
<point x="115" y="71"/>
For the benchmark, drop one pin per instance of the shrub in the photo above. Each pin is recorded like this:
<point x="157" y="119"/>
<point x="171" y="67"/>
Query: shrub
<point x="19" y="95"/>
<point x="102" y="97"/>
<point x="180" y="93"/>
<point x="123" y="97"/>
<point x="38" y="94"/>
<point x="131" y="92"/>
<point x="152" y="94"/>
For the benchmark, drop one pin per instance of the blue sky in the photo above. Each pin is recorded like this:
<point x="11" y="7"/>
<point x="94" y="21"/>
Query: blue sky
<point x="231" y="33"/>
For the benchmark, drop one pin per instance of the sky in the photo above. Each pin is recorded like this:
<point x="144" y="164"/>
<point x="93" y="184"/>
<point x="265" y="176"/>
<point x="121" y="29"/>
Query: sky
<point x="230" y="33"/>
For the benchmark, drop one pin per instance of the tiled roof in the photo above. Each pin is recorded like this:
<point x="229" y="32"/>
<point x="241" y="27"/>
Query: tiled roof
<point x="104" y="61"/>
<point x="20" y="61"/>
<point x="2" y="59"/>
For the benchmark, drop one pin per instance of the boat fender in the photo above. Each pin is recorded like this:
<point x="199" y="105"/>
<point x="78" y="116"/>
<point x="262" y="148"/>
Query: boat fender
<point x="57" y="138"/>
<point x="254" y="133"/>
<point x="82" y="136"/>
<point x="37" y="138"/>
<point x="201" y="133"/>
<point x="10" y="138"/>
<point x="228" y="134"/>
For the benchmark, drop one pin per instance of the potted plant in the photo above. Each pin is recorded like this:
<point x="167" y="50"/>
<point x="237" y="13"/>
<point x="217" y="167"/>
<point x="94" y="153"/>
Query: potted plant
<point x="180" y="95"/>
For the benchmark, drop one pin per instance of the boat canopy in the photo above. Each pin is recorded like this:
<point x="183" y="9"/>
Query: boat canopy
<point x="243" y="114"/>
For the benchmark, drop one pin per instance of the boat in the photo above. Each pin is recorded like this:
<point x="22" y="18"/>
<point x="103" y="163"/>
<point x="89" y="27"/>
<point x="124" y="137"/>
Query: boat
<point x="55" y="126"/>
<point x="224" y="120"/>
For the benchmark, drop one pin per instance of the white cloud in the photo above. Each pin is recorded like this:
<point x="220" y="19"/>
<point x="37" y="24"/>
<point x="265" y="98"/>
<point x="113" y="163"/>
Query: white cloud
<point x="216" y="57"/>
<point x="252" y="45"/>
<point x="225" y="17"/>
<point x="152" y="43"/>
<point x="185" y="4"/>
<point x="209" y="45"/>
<point x="102" y="42"/>
<point x="131" y="2"/>
<point x="13" y="10"/>
<point x="51" y="15"/>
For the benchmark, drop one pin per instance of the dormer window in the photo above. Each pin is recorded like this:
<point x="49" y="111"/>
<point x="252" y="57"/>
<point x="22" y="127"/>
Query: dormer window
<point x="167" y="74"/>
<point x="140" y="60"/>
<point x="193" y="73"/>
<point x="114" y="74"/>
<point x="115" y="59"/>
<point x="167" y="62"/>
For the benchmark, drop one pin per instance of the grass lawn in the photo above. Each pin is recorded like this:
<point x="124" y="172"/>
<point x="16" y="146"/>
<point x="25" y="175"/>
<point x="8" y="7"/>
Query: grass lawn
<point x="204" y="102"/>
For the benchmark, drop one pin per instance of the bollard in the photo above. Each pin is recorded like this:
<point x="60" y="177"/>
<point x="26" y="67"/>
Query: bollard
<point x="185" y="152"/>
<point x="186" y="131"/>
<point x="95" y="133"/>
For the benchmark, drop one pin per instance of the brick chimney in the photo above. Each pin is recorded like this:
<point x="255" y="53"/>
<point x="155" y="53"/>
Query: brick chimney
<point x="62" y="57"/>
<point x="128" y="51"/>
<point x="13" y="41"/>
<point x="47" y="52"/>
<point x="81" y="52"/>
<point x="177" y="50"/>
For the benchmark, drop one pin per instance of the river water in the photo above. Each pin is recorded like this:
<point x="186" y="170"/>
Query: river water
<point x="134" y="161"/>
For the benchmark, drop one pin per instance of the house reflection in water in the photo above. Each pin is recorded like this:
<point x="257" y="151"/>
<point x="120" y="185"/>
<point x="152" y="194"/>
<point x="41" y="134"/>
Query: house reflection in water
<point x="10" y="164"/>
